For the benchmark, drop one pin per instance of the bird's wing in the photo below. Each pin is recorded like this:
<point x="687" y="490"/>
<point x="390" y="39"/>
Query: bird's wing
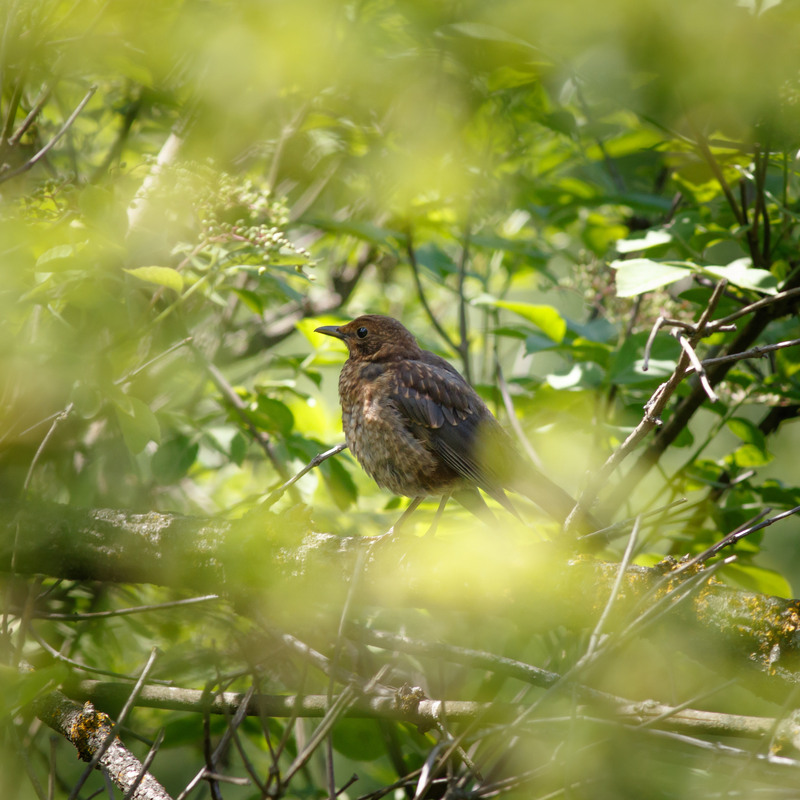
<point x="448" y="415"/>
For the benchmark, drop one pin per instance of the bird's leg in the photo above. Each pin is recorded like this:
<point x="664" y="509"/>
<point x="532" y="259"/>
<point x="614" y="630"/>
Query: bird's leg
<point x="438" y="516"/>
<point x="412" y="507"/>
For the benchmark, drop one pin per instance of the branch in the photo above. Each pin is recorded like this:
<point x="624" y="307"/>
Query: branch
<point x="415" y="709"/>
<point x="764" y="311"/>
<point x="265" y="557"/>
<point x="88" y="729"/>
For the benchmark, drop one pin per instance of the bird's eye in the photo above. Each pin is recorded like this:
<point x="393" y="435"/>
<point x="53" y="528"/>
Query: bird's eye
<point x="362" y="333"/>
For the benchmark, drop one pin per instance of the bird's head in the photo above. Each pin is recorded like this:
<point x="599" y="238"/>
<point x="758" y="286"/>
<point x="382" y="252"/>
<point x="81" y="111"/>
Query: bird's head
<point x="373" y="337"/>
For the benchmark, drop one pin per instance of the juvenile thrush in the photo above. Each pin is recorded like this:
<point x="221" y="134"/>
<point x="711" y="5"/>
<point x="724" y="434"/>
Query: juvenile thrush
<point x="418" y="428"/>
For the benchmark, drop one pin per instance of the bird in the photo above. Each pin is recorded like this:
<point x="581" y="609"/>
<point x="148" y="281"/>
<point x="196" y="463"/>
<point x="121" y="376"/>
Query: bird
<point x="418" y="428"/>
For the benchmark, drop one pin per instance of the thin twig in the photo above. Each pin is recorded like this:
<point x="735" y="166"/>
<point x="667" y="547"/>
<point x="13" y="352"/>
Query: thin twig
<point x="463" y="348"/>
<point x="512" y="418"/>
<point x="755" y="352"/>
<point x="222" y="745"/>
<point x="711" y="328"/>
<point x="759" y="304"/>
<point x="121" y="612"/>
<point x="594" y="639"/>
<point x="623" y="524"/>
<point x="31" y="118"/>
<point x="131" y="375"/>
<point x="697" y="366"/>
<point x="734" y="537"/>
<point x="275" y="494"/>
<point x="37" y="157"/>
<point x="412" y="259"/>
<point x="649" y="345"/>
<point x="151" y="754"/>
<point x="712" y="162"/>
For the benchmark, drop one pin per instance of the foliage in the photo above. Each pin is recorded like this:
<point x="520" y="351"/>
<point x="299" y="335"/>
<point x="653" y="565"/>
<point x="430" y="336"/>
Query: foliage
<point x="190" y="188"/>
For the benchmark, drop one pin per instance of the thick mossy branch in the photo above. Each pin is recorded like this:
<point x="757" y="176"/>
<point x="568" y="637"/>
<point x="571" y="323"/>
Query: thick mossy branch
<point x="266" y="563"/>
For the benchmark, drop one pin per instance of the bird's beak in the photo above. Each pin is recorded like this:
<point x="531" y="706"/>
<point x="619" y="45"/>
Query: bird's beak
<point x="331" y="330"/>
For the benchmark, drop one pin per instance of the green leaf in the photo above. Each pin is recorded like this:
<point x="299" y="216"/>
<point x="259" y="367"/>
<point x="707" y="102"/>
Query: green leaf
<point x="140" y="426"/>
<point x="162" y="276"/>
<point x="653" y="238"/>
<point x="57" y="258"/>
<point x="546" y="318"/>
<point x="748" y="455"/>
<point x="758" y="579"/>
<point x="173" y="459"/>
<point x="747" y="432"/>
<point x="340" y="484"/>
<point x="740" y="273"/>
<point x="358" y="739"/>
<point x="639" y="275"/>
<point x="287" y="257"/>
<point x="251" y="299"/>
<point x="480" y="30"/>
<point x="273" y="415"/>
<point x="238" y="449"/>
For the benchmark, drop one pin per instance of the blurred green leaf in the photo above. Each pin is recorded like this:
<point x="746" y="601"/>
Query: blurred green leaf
<point x="174" y="459"/>
<point x="359" y="739"/>
<point x="238" y="449"/>
<point x="138" y="424"/>
<point x="273" y="415"/>
<point x="758" y="579"/>
<point x="652" y="238"/>
<point x="340" y="484"/>
<point x="161" y="276"/>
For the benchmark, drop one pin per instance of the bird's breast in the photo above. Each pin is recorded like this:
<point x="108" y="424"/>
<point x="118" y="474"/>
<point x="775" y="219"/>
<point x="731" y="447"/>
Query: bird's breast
<point x="380" y="439"/>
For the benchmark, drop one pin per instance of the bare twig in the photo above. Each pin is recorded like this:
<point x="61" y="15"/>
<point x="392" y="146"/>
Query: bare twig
<point x="649" y="345"/>
<point x="463" y="347"/>
<point x="166" y="156"/>
<point x="31" y="117"/>
<point x="594" y="639"/>
<point x="121" y="612"/>
<point x="412" y="260"/>
<point x="734" y="537"/>
<point x="755" y="352"/>
<point x="712" y="162"/>
<point x="512" y="418"/>
<point x="151" y="754"/>
<point x="7" y="174"/>
<point x="763" y="303"/>
<point x="222" y="745"/>
<point x="275" y="494"/>
<point x="697" y="366"/>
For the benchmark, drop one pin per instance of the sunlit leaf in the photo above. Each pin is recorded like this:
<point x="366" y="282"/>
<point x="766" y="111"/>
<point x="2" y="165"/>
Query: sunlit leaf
<point x="653" y="238"/>
<point x="162" y="276"/>
<point x="546" y="318"/>
<point x="273" y="415"/>
<point x="741" y="273"/>
<point x="173" y="459"/>
<point x="638" y="275"/>
<point x="747" y="432"/>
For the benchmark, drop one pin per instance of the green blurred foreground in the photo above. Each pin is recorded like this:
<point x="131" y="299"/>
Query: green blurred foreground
<point x="188" y="189"/>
